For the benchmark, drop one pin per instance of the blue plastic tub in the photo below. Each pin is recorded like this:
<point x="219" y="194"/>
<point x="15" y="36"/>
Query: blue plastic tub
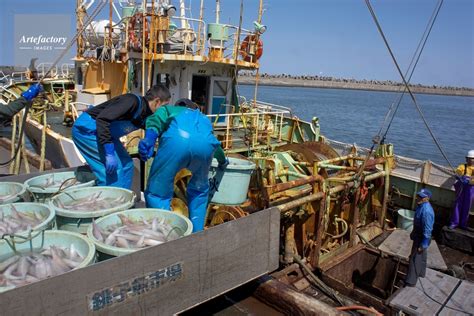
<point x="231" y="185"/>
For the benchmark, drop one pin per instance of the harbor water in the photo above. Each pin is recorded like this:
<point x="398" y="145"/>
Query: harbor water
<point x="355" y="116"/>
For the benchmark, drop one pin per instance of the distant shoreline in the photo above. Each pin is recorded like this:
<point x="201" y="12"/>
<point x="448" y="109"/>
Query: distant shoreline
<point x="293" y="82"/>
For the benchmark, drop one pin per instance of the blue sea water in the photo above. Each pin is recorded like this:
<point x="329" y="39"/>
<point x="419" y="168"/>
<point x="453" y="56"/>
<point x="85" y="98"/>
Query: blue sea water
<point x="355" y="116"/>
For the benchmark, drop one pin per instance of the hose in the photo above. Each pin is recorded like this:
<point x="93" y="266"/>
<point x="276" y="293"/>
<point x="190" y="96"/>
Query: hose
<point x="359" y="307"/>
<point x="345" y="228"/>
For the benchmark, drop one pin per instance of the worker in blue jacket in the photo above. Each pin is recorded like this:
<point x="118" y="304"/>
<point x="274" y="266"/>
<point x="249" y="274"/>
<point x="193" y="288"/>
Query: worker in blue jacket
<point x="96" y="133"/>
<point x="421" y="236"/>
<point x="186" y="140"/>
<point x="8" y="111"/>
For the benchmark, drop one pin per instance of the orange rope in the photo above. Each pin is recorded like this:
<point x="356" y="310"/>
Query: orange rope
<point x="360" y="307"/>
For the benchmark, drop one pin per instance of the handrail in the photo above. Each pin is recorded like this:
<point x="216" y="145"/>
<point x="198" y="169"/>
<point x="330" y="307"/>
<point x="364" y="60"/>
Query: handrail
<point x="246" y="114"/>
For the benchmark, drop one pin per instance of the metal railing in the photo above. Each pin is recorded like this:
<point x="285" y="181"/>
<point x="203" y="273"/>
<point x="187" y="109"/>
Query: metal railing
<point x="19" y="76"/>
<point x="197" y="45"/>
<point x="67" y="70"/>
<point x="255" y="127"/>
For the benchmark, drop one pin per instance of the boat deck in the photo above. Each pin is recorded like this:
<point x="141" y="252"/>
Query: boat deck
<point x="436" y="294"/>
<point x="399" y="245"/>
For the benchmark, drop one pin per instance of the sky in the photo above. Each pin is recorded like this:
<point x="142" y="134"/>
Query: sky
<point x="335" y="38"/>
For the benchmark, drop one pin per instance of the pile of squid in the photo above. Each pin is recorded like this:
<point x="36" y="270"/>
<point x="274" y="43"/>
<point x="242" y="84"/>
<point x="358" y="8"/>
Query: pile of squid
<point x="18" y="221"/>
<point x="51" y="183"/>
<point x="136" y="234"/>
<point x="93" y="202"/>
<point x="29" y="267"/>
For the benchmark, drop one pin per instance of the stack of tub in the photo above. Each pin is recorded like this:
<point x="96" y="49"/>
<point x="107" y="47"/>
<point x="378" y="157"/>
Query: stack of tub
<point x="76" y="208"/>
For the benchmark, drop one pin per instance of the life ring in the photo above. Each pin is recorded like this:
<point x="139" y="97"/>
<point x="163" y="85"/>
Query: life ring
<point x="135" y="35"/>
<point x="245" y="48"/>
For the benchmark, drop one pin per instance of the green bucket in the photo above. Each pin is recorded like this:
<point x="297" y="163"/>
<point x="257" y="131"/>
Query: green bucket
<point x="26" y="207"/>
<point x="79" y="221"/>
<point x="40" y="194"/>
<point x="230" y="186"/>
<point x="11" y="192"/>
<point x="106" y="251"/>
<point x="53" y="238"/>
<point x="405" y="219"/>
<point x="127" y="12"/>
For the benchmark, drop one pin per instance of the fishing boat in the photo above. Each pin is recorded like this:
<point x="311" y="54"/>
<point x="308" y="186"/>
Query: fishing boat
<point x="318" y="221"/>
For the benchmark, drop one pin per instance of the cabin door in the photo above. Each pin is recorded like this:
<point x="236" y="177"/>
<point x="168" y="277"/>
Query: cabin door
<point x="220" y="94"/>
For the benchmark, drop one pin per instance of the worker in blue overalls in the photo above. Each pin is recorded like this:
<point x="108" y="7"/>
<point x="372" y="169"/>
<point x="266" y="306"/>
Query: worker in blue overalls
<point x="97" y="132"/>
<point x="186" y="141"/>
<point x="421" y="235"/>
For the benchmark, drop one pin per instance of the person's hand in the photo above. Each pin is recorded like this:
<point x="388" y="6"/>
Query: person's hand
<point x="111" y="162"/>
<point x="420" y="249"/>
<point x="146" y="146"/>
<point x="144" y="150"/>
<point x="223" y="165"/>
<point x="465" y="179"/>
<point x="32" y="92"/>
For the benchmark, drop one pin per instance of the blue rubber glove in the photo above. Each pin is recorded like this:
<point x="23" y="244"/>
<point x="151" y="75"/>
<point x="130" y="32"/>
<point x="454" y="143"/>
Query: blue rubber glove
<point x="465" y="179"/>
<point x="146" y="147"/>
<point x="32" y="92"/>
<point x="222" y="166"/>
<point x="111" y="162"/>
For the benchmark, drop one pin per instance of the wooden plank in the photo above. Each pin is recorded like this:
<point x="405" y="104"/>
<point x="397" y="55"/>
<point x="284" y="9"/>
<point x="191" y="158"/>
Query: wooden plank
<point x="398" y="244"/>
<point x="415" y="300"/>
<point x="461" y="300"/>
<point x="161" y="280"/>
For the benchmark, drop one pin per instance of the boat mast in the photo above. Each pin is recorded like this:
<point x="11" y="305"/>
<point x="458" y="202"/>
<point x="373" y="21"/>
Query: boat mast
<point x="259" y="20"/>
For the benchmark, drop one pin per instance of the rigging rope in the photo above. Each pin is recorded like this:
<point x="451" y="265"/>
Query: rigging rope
<point x="419" y="49"/>
<point x="369" y="6"/>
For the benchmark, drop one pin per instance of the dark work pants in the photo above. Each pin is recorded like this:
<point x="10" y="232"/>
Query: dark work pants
<point x="416" y="265"/>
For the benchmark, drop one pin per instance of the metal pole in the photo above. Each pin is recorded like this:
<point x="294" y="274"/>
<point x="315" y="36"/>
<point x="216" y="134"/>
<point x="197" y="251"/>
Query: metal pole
<point x="218" y="11"/>
<point x="143" y="46"/>
<point x="182" y="10"/>
<point x="200" y="38"/>
<point x="260" y="12"/>
<point x="110" y="25"/>
<point x="317" y="196"/>
<point x="385" y="192"/>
